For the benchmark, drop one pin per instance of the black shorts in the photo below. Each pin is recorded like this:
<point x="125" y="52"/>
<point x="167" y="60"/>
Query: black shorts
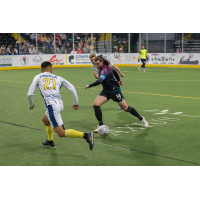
<point x="115" y="96"/>
<point x="143" y="61"/>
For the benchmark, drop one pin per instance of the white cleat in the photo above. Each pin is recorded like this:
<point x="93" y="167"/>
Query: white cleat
<point x="144" y="70"/>
<point x="145" y="123"/>
<point x="96" y="130"/>
<point x="139" y="69"/>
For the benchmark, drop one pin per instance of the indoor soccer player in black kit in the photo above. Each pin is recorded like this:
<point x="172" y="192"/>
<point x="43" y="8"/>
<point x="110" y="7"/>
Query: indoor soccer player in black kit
<point x="111" y="90"/>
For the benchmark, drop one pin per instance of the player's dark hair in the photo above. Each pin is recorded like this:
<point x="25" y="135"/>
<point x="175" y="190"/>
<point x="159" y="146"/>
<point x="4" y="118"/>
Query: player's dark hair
<point x="101" y="58"/>
<point x="92" y="55"/>
<point x="46" y="64"/>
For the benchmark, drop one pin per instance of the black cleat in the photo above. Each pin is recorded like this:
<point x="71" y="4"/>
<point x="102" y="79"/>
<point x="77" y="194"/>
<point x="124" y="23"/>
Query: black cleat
<point x="90" y="139"/>
<point x="49" y="143"/>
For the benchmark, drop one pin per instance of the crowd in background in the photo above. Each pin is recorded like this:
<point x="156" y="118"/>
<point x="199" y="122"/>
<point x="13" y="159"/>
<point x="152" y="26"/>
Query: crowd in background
<point x="63" y="42"/>
<point x="8" y="50"/>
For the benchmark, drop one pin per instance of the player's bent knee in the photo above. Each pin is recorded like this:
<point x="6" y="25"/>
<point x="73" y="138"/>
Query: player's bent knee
<point x="60" y="131"/>
<point x="125" y="108"/>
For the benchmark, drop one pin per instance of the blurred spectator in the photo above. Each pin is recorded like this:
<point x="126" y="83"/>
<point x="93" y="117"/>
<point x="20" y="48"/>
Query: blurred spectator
<point x="68" y="48"/>
<point x="2" y="52"/>
<point x="43" y="38"/>
<point x="87" y="39"/>
<point x="74" y="52"/>
<point x="114" y="40"/>
<point x="2" y="47"/>
<point x="84" y="49"/>
<point x="93" y="51"/>
<point x="7" y="51"/>
<point x="32" y="50"/>
<point x="58" y="38"/>
<point x="25" y="50"/>
<point x="20" y="49"/>
<point x="79" y="50"/>
<point x="15" y="49"/>
<point x="80" y="44"/>
<point x="11" y="48"/>
<point x="56" y="48"/>
<point x="63" y="37"/>
<point x="116" y="49"/>
<point x="13" y="53"/>
<point x="87" y="49"/>
<point x="48" y="40"/>
<point x="50" y="48"/>
<point x="59" y="51"/>
<point x="121" y="50"/>
<point x="179" y="50"/>
<point x="33" y="36"/>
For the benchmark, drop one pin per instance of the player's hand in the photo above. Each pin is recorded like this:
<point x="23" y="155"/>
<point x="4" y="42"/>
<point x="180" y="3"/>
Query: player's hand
<point x="87" y="87"/>
<point x="120" y="83"/>
<point x="75" y="107"/>
<point x="138" y="60"/>
<point x="122" y="75"/>
<point x="31" y="108"/>
<point x="96" y="75"/>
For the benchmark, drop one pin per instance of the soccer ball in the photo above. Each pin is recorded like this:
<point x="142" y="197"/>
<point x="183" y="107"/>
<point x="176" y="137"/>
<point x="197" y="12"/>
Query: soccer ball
<point x="103" y="130"/>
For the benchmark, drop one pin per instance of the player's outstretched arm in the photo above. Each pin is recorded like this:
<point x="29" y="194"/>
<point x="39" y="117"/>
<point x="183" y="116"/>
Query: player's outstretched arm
<point x="139" y="56"/>
<point x="98" y="82"/>
<point x="31" y="91"/>
<point x="72" y="89"/>
<point x="119" y="71"/>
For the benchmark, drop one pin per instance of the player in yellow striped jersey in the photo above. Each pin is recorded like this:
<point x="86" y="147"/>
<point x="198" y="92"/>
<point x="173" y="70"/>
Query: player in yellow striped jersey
<point x="144" y="58"/>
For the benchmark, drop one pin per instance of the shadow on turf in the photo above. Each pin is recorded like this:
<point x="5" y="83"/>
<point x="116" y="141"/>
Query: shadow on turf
<point x="138" y="142"/>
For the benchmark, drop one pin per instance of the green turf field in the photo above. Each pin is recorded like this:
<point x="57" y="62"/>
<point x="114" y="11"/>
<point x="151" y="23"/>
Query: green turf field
<point x="167" y="97"/>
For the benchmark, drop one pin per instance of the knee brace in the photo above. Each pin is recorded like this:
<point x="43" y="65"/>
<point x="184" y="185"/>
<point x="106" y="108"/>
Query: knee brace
<point x="96" y="107"/>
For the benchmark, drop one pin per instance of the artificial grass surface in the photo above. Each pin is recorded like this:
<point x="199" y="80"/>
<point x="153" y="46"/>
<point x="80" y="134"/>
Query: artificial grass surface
<point x="172" y="140"/>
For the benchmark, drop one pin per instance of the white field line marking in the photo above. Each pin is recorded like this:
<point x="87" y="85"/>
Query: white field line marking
<point x="161" y="80"/>
<point x="162" y="112"/>
<point x="131" y="128"/>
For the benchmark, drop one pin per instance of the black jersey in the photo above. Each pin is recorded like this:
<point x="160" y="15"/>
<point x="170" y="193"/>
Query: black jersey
<point x="107" y="79"/>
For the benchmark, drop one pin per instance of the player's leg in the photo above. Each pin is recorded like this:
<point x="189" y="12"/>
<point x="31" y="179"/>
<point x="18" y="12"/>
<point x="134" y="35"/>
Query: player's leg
<point x="100" y="100"/>
<point x="49" y="130"/>
<point x="131" y="110"/>
<point x="89" y="137"/>
<point x="56" y="121"/>
<point x="144" y="62"/>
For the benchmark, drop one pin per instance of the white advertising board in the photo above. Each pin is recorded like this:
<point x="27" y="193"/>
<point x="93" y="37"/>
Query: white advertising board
<point x="132" y="58"/>
<point x="6" y="61"/>
<point x="84" y="59"/>
<point x="78" y="59"/>
<point x="36" y="60"/>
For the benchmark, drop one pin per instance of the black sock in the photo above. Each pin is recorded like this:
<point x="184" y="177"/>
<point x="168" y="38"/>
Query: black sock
<point x="98" y="114"/>
<point x="134" y="112"/>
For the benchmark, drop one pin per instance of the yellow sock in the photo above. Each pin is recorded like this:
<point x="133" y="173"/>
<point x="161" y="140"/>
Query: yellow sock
<point x="49" y="131"/>
<point x="73" y="134"/>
